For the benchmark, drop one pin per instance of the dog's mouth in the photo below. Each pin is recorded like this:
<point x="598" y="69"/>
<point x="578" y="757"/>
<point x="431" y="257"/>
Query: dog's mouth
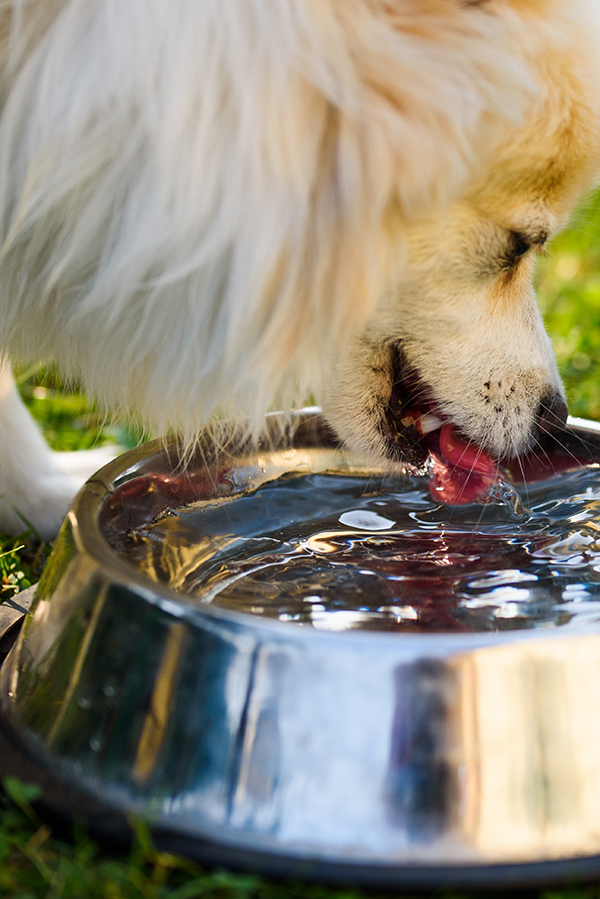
<point x="415" y="431"/>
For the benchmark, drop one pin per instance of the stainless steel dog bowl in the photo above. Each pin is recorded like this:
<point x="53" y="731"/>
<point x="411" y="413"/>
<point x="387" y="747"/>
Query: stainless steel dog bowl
<point x="380" y="758"/>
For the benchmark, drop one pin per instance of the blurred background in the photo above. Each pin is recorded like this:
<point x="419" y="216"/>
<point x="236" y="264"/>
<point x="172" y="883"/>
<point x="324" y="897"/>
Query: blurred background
<point x="568" y="283"/>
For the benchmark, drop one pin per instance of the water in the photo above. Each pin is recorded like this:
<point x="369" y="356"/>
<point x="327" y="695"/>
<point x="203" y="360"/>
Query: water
<point x="340" y="550"/>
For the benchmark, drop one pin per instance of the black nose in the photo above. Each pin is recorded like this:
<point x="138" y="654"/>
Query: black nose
<point x="552" y="413"/>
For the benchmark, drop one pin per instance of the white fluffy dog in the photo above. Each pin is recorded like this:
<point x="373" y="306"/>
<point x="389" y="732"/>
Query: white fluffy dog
<point x="226" y="205"/>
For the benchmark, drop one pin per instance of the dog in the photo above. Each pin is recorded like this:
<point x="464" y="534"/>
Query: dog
<point x="225" y="206"/>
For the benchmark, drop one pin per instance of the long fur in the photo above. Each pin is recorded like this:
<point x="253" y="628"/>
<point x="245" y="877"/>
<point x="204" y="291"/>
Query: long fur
<point x="200" y="198"/>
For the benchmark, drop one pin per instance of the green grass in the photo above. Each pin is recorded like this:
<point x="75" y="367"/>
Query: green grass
<point x="68" y="420"/>
<point x="569" y="297"/>
<point x="36" y="863"/>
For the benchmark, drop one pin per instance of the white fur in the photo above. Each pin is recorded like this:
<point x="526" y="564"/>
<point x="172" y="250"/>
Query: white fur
<point x="195" y="193"/>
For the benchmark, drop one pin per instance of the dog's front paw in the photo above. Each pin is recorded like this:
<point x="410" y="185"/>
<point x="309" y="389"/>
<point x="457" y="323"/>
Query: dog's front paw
<point x="39" y="503"/>
<point x="82" y="464"/>
<point x="37" y="485"/>
<point x="40" y="496"/>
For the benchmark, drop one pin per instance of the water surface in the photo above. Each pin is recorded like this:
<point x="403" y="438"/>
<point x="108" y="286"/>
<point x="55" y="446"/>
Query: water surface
<point x="339" y="550"/>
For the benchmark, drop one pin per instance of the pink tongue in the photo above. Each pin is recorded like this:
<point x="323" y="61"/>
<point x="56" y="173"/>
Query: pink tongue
<point x="461" y="473"/>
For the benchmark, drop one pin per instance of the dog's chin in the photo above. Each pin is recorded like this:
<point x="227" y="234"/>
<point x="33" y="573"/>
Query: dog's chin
<point x="417" y="434"/>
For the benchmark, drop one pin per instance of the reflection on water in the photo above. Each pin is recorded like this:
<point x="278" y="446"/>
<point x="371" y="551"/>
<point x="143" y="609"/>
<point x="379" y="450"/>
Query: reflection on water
<point x="342" y="551"/>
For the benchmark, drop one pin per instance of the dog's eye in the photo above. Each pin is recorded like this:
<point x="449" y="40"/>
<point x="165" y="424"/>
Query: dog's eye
<point x="519" y="245"/>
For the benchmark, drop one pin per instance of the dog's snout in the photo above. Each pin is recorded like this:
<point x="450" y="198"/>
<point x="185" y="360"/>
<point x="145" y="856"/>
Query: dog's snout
<point x="552" y="413"/>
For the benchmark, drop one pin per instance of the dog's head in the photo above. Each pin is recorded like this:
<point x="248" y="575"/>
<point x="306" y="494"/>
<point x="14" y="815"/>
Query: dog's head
<point x="456" y="360"/>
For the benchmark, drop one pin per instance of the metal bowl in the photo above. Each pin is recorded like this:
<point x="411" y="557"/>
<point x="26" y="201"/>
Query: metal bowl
<point x="381" y="758"/>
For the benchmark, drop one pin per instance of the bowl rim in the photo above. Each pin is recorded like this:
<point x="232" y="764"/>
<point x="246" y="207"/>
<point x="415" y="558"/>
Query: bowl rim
<point x="90" y="541"/>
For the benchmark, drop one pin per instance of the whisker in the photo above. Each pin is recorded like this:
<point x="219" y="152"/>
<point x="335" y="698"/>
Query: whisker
<point x="520" y="463"/>
<point x="538" y="458"/>
<point x="540" y="446"/>
<point x="586" y="444"/>
<point x="472" y="469"/>
<point x="586" y="233"/>
<point x="561" y="445"/>
<point x="419" y="395"/>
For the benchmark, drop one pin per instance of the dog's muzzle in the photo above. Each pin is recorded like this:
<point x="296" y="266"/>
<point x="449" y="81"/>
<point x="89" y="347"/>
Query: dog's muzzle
<point x="415" y="430"/>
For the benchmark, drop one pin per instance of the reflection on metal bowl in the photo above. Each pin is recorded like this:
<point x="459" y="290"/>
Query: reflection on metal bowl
<point x="416" y="746"/>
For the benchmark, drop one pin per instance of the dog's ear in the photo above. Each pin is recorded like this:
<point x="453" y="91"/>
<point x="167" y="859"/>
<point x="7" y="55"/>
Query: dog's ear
<point x="205" y="199"/>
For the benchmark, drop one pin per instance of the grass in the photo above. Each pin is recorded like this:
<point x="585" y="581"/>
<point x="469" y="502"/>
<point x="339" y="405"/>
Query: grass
<point x="569" y="297"/>
<point x="34" y="862"/>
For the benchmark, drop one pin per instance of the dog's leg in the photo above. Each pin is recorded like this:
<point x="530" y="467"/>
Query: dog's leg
<point x="36" y="484"/>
